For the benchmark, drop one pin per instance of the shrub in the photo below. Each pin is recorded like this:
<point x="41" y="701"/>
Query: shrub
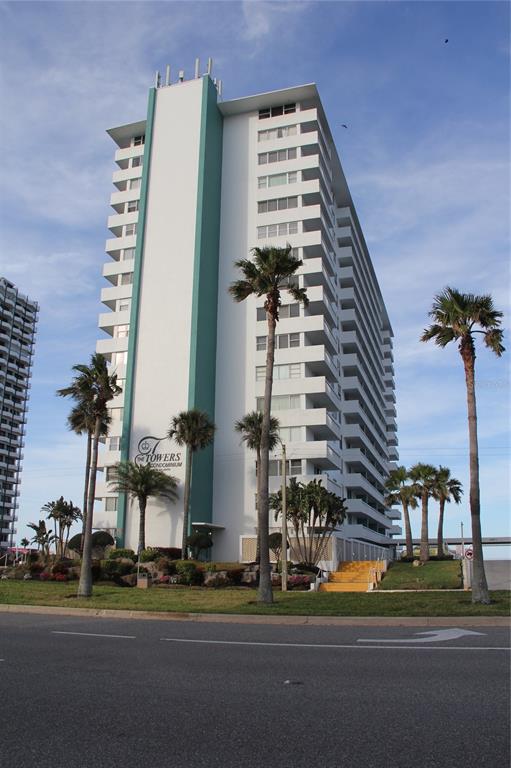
<point x="74" y="542"/>
<point x="60" y="577"/>
<point x="173" y="553"/>
<point x="96" y="570"/>
<point x="162" y="564"/>
<point x="149" y="555"/>
<point x="199" y="542"/>
<point x="236" y="574"/>
<point x="305" y="568"/>
<point x="60" y="568"/>
<point x="116" y="554"/>
<point x="188" y="572"/>
<point x="44" y="576"/>
<point x="298" y="582"/>
<point x="116" y="567"/>
<point x="102" y="539"/>
<point x="36" y="568"/>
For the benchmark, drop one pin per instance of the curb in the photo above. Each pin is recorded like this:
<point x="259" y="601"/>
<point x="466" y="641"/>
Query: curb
<point x="229" y="618"/>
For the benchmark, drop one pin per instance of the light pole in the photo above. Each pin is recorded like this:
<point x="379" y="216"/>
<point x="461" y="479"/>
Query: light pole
<point x="462" y="541"/>
<point x="283" y="550"/>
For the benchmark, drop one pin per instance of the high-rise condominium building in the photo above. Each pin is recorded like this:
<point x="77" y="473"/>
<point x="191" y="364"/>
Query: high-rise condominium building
<point x="18" y="319"/>
<point x="198" y="184"/>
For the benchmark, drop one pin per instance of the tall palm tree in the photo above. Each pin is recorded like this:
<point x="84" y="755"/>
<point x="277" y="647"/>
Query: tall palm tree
<point x="195" y="431"/>
<point x="398" y="492"/>
<point x="24" y="543"/>
<point x="250" y="427"/>
<point x="93" y="387"/>
<point x="82" y="420"/>
<point x="458" y="317"/>
<point x="423" y="478"/>
<point x="267" y="275"/>
<point x="140" y="482"/>
<point x="446" y="489"/>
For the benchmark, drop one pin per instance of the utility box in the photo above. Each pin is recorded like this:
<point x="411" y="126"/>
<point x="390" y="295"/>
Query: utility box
<point x="143" y="580"/>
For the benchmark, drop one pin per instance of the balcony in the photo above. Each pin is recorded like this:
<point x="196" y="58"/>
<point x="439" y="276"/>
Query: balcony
<point x="107" y="346"/>
<point x="108" y="320"/>
<point x="356" y="480"/>
<point x="365" y="534"/>
<point x="115" y="244"/>
<point x="109" y="296"/>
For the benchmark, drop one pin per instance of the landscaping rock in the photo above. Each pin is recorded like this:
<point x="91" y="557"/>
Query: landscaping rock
<point x="216" y="579"/>
<point x="249" y="578"/>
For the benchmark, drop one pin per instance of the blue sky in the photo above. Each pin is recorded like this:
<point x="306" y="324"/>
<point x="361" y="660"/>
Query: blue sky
<point x="426" y="156"/>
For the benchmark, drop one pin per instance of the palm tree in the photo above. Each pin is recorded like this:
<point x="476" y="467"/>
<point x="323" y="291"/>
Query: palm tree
<point x="446" y="489"/>
<point x="24" y="543"/>
<point x="267" y="275"/>
<point x="398" y="492"/>
<point x="140" y="482"/>
<point x="196" y="431"/>
<point x="43" y="537"/>
<point x="93" y="387"/>
<point x="64" y="513"/>
<point x="423" y="478"/>
<point x="250" y="427"/>
<point x="457" y="317"/>
<point x="82" y="420"/>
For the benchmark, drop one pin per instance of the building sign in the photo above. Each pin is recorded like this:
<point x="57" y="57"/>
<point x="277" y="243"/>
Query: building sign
<point x="159" y="452"/>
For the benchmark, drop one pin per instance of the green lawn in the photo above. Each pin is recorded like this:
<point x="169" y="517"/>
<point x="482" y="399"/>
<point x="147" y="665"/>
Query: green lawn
<point x="243" y="601"/>
<point x="442" y="574"/>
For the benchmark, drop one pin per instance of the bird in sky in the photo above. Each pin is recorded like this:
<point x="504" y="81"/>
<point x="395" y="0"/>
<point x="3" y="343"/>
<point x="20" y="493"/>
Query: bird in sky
<point x="343" y="125"/>
<point x="446" y="40"/>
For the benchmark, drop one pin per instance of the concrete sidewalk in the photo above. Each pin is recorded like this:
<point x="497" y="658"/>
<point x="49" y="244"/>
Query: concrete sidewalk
<point x="229" y="618"/>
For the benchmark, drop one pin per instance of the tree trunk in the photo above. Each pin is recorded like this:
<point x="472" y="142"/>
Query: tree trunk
<point x="480" y="592"/>
<point x="186" y="501"/>
<point x="408" y="530"/>
<point x="440" y="534"/>
<point x="265" y="594"/>
<point x="258" y="540"/>
<point x="86" y="489"/>
<point x="141" y="525"/>
<point x="85" y="583"/>
<point x="424" y="529"/>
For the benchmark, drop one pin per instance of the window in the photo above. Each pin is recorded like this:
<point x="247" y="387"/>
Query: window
<point x="291" y="434"/>
<point x="138" y="141"/>
<point x="285" y="109"/>
<point x="109" y="474"/>
<point x="280" y="402"/>
<point x="116" y="414"/>
<point x="278" y="204"/>
<point x="130" y="229"/>
<point x="277" y="230"/>
<point x="286" y="310"/>
<point x="111" y="504"/>
<point x="123" y="305"/>
<point x="278" y="156"/>
<point x="282" y="341"/>
<point x="280" y="372"/>
<point x="277" y="133"/>
<point x="121" y="331"/>
<point x="277" y="179"/>
<point x="126" y="278"/>
<point x="131" y="206"/>
<point x="128" y="254"/>
<point x="134" y="183"/>
<point x="119" y="358"/>
<point x="293" y="468"/>
<point x="261" y="343"/>
<point x="114" y="443"/>
<point x="136" y="162"/>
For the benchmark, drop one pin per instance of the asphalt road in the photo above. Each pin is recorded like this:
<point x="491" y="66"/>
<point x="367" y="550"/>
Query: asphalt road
<point x="147" y="693"/>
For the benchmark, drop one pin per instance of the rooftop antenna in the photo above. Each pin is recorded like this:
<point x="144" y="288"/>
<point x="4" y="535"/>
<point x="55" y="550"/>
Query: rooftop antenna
<point x="181" y="75"/>
<point x="167" y="75"/>
<point x="210" y="66"/>
<point x="157" y="79"/>
<point x="197" y="68"/>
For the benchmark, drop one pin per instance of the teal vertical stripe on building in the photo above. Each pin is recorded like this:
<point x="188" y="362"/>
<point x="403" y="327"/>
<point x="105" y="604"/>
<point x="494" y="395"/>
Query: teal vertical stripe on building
<point x="201" y="391"/>
<point x="134" y="313"/>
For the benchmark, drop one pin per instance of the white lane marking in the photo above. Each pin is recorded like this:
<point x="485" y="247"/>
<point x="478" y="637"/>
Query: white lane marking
<point x="437" y="636"/>
<point x="92" y="634"/>
<point x="359" y="647"/>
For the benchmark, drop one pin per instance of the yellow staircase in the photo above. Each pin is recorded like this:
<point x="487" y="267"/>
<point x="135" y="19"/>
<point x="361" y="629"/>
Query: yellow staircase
<point x="354" y="576"/>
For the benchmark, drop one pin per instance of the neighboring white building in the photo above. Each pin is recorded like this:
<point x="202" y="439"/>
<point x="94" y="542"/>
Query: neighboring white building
<point x="18" y="319"/>
<point x="198" y="184"/>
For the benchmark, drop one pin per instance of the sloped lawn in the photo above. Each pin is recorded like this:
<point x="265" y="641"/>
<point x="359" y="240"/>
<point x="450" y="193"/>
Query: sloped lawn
<point x="441" y="574"/>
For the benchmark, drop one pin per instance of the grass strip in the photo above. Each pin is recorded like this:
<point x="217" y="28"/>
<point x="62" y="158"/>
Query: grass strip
<point x="238" y="600"/>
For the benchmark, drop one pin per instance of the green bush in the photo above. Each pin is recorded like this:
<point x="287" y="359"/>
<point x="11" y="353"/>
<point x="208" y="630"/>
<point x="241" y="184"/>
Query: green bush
<point x="102" y="539"/>
<point x="199" y="542"/>
<point x="116" y="554"/>
<point x="149" y="555"/>
<point x="162" y="564"/>
<point x="188" y="572"/>
<point x="60" y="567"/>
<point x="74" y="542"/>
<point x="116" y="567"/>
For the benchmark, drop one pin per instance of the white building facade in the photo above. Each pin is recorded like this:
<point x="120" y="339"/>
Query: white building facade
<point x="198" y="184"/>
